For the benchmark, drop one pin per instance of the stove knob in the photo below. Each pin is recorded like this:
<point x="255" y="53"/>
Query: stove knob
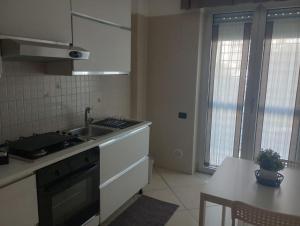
<point x="58" y="131"/>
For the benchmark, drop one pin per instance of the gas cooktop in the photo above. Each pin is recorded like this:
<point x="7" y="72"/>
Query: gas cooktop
<point x="39" y="145"/>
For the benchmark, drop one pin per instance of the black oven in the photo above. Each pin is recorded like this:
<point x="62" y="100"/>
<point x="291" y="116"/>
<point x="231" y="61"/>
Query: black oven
<point x="68" y="191"/>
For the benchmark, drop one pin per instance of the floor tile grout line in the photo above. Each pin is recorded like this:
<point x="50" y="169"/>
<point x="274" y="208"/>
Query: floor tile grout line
<point x="182" y="186"/>
<point x="192" y="214"/>
<point x="189" y="211"/>
<point x="156" y="189"/>
<point x="170" y="187"/>
<point x="179" y="199"/>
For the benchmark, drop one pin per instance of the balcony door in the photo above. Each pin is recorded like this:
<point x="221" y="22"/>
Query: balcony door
<point x="253" y="98"/>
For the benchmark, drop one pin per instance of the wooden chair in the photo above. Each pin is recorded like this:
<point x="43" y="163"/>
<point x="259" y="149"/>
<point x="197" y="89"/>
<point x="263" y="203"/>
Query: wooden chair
<point x="260" y="217"/>
<point x="291" y="164"/>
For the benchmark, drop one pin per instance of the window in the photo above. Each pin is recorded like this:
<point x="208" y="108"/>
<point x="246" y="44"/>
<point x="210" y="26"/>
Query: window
<point x="231" y="35"/>
<point x="282" y="63"/>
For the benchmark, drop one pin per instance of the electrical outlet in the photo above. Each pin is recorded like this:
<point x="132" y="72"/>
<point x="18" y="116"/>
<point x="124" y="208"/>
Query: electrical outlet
<point x="178" y="153"/>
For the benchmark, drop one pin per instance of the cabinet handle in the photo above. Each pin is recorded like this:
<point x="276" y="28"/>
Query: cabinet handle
<point x="121" y="137"/>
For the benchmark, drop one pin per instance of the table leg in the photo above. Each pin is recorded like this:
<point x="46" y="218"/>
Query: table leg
<point x="223" y="215"/>
<point x="202" y="210"/>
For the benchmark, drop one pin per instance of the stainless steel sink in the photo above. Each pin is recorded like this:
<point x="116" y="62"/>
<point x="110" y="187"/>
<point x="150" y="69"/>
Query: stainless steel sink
<point x="90" y="132"/>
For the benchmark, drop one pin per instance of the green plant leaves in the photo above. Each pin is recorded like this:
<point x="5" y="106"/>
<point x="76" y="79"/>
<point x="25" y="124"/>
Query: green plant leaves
<point x="269" y="160"/>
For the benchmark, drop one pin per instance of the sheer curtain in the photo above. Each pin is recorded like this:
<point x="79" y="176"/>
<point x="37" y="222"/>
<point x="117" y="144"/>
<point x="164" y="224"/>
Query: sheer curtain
<point x="282" y="82"/>
<point x="228" y="47"/>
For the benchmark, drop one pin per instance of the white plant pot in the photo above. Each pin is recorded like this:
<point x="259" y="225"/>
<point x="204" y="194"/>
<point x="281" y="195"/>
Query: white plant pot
<point x="267" y="174"/>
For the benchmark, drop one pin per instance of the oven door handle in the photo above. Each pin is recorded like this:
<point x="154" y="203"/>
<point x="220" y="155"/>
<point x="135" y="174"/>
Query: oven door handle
<point x="69" y="180"/>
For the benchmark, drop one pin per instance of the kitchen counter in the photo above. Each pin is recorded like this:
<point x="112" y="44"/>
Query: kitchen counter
<point x="18" y="169"/>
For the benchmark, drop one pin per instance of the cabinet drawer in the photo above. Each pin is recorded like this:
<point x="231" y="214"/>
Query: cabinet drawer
<point x="114" y="11"/>
<point x="118" y="156"/>
<point x="18" y="203"/>
<point x="110" y="47"/>
<point x="116" y="193"/>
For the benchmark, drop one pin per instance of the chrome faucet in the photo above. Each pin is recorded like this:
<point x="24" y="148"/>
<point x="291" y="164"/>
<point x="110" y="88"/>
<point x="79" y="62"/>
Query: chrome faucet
<point x="87" y="120"/>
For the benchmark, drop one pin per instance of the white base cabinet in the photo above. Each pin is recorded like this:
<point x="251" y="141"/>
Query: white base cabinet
<point x="124" y="167"/>
<point x="18" y="203"/>
<point x="118" y="156"/>
<point x="116" y="193"/>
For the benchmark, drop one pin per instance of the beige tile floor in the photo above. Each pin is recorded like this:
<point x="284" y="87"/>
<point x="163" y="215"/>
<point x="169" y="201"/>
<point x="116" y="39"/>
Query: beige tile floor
<point x="184" y="190"/>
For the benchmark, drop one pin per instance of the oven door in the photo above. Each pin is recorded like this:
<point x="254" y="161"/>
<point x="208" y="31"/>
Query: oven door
<point x="71" y="201"/>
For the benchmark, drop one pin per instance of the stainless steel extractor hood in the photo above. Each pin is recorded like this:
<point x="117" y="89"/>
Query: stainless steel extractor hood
<point x="12" y="49"/>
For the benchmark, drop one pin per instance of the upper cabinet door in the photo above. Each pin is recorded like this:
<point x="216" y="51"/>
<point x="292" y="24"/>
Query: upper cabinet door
<point x="110" y="46"/>
<point x="114" y="11"/>
<point x="38" y="19"/>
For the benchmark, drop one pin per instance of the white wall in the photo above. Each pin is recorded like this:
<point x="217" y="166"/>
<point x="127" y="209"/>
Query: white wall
<point x="139" y="59"/>
<point x="172" y="88"/>
<point x="164" y="7"/>
<point x="152" y="8"/>
<point x="140" y="7"/>
<point x="171" y="70"/>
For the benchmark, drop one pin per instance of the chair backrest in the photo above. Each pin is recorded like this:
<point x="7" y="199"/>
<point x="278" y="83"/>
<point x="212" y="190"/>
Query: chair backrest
<point x="291" y="164"/>
<point x="260" y="217"/>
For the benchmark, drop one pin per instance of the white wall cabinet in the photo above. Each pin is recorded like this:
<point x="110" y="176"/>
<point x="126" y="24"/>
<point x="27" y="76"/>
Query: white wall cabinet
<point x="114" y="11"/>
<point x="18" y="203"/>
<point x="109" y="46"/>
<point x="124" y="167"/>
<point x="38" y="19"/>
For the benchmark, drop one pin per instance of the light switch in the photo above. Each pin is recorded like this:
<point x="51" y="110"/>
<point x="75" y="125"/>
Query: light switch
<point x="182" y="115"/>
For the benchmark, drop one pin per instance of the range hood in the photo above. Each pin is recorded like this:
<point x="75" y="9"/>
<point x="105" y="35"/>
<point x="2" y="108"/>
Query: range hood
<point x="14" y="49"/>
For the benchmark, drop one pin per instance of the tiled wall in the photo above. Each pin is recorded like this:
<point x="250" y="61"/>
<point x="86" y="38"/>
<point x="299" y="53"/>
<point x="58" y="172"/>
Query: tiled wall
<point x="33" y="102"/>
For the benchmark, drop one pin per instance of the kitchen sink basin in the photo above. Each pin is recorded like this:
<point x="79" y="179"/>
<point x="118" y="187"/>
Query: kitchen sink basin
<point x="90" y="132"/>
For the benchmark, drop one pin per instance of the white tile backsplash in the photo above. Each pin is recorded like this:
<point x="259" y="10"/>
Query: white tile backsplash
<point x="33" y="102"/>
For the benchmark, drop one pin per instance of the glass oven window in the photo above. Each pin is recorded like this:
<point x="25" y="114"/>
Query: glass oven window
<point x="71" y="201"/>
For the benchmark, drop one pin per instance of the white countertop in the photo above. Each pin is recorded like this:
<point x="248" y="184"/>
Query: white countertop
<point x="18" y="169"/>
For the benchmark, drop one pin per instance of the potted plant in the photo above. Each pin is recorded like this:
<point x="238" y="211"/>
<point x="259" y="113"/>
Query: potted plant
<point x="270" y="163"/>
